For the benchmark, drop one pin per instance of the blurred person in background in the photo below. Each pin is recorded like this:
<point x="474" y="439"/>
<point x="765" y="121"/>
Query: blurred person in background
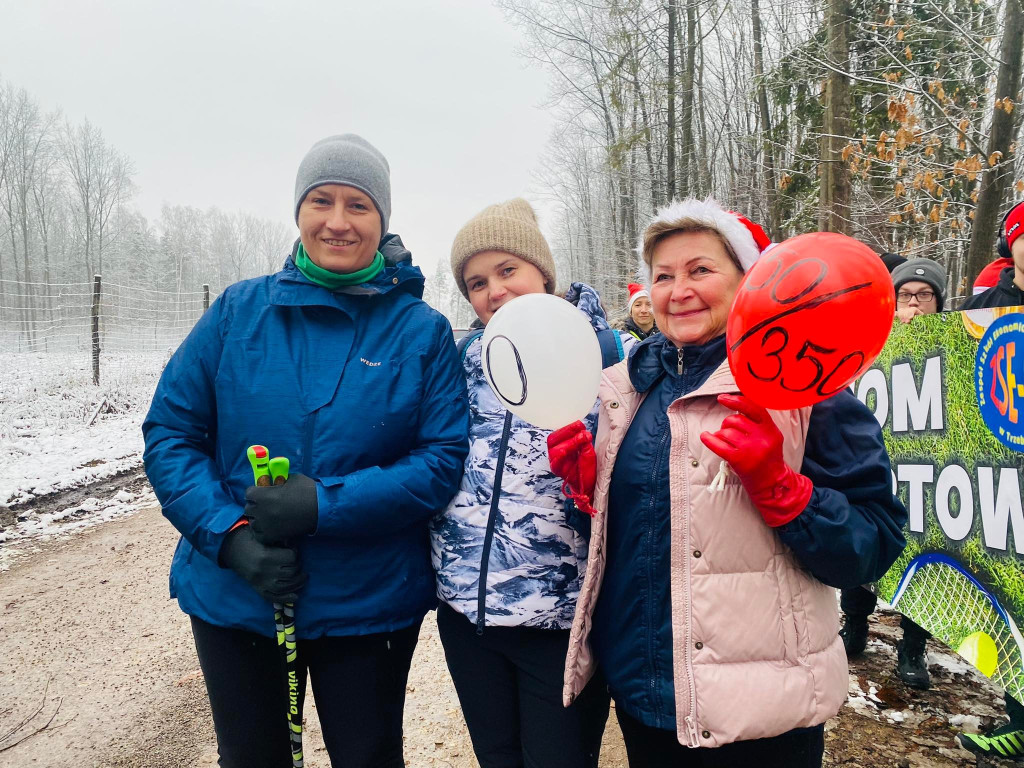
<point x="920" y="286"/>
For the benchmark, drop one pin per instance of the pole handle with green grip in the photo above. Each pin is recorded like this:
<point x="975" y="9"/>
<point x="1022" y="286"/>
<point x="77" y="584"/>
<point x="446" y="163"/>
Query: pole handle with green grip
<point x="260" y="461"/>
<point x="279" y="467"/>
<point x="265" y="472"/>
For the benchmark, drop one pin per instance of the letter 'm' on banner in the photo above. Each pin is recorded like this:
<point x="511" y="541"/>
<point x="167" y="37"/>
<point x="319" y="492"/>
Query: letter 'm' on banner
<point x="918" y="406"/>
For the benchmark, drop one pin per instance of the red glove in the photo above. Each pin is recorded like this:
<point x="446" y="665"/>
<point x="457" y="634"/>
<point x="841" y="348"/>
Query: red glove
<point x="752" y="444"/>
<point x="572" y="457"/>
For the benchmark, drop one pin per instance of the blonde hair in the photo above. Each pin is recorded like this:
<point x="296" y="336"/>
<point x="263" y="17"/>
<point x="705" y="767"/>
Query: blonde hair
<point x="659" y="230"/>
<point x="694" y="215"/>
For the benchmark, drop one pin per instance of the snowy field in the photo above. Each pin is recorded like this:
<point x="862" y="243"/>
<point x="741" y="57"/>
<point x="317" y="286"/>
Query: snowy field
<point x="48" y="445"/>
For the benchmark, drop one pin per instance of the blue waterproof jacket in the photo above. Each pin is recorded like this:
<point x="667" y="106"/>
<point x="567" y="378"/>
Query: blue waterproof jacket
<point x="850" y="533"/>
<point x="362" y="390"/>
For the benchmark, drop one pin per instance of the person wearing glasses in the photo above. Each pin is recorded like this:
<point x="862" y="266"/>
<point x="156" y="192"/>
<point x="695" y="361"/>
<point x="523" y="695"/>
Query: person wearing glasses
<point x="920" y="286"/>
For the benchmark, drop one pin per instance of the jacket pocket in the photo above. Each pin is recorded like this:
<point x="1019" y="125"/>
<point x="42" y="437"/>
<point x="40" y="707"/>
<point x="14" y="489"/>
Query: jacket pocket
<point x="787" y="614"/>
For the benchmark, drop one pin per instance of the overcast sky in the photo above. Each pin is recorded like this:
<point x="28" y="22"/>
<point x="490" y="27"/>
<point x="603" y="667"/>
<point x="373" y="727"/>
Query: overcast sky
<point x="216" y="101"/>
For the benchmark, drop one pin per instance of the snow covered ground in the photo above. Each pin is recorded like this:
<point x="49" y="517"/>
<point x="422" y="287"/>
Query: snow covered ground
<point x="48" y="445"/>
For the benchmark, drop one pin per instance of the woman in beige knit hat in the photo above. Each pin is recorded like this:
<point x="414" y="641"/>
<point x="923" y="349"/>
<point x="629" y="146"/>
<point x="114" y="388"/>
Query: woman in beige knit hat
<point x="509" y="552"/>
<point x="499" y="254"/>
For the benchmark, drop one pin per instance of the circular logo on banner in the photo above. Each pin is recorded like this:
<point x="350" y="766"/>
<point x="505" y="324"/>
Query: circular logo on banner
<point x="999" y="379"/>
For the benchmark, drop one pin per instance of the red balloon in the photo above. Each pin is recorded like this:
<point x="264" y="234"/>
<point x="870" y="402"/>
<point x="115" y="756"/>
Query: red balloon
<point x="809" y="317"/>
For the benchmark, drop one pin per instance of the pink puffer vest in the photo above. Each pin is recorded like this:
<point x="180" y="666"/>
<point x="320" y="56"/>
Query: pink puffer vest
<point x="756" y="648"/>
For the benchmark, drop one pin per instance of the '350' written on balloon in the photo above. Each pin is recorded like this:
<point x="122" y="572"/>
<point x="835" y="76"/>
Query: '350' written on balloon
<point x="809" y="317"/>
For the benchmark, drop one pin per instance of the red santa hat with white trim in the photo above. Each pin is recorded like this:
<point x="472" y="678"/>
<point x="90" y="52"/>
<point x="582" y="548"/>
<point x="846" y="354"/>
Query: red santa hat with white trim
<point x="636" y="291"/>
<point x="746" y="240"/>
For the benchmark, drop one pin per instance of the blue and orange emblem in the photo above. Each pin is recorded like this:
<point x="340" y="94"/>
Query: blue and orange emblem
<point x="999" y="379"/>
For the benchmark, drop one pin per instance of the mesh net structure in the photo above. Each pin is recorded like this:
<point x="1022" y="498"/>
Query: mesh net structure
<point x="48" y="364"/>
<point x="57" y="317"/>
<point x="939" y="594"/>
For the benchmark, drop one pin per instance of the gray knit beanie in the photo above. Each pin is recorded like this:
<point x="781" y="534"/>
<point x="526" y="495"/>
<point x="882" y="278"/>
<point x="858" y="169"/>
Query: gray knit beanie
<point x="350" y="160"/>
<point x="925" y="270"/>
<point x="510" y="227"/>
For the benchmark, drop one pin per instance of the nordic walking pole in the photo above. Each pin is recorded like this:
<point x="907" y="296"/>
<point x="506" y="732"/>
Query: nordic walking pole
<point x="266" y="472"/>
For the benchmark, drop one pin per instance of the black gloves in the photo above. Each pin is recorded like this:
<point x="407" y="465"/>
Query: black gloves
<point x="272" y="571"/>
<point x="258" y="552"/>
<point x="280" y="513"/>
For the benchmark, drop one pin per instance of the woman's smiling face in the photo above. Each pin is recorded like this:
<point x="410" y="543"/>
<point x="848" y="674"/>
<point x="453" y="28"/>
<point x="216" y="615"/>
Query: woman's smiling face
<point x="494" y="278"/>
<point x="340" y="228"/>
<point x="693" y="282"/>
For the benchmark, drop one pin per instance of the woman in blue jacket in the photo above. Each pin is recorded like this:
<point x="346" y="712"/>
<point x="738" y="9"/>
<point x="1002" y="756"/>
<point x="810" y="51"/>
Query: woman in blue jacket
<point x="336" y="363"/>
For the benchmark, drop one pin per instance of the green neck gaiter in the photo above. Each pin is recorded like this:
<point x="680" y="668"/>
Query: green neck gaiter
<point x="333" y="280"/>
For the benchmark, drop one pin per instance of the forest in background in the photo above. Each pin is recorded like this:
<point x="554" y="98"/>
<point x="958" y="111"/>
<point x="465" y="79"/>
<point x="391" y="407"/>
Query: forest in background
<point x="66" y="215"/>
<point x="895" y="122"/>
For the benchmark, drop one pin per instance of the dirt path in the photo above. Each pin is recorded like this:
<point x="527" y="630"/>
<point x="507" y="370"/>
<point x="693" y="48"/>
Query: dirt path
<point x="90" y="639"/>
<point x="88" y="621"/>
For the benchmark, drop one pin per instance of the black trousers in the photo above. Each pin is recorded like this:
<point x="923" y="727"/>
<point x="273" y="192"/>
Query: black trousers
<point x="859" y="603"/>
<point x="358" y="683"/>
<point x="648" y="747"/>
<point x="509" y="681"/>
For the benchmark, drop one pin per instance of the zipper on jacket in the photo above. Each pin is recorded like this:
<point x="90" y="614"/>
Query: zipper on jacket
<point x="691" y="728"/>
<point x="499" y="467"/>
<point x="307" y="446"/>
<point x="652" y="628"/>
<point x="679" y="362"/>
<point x="691" y="717"/>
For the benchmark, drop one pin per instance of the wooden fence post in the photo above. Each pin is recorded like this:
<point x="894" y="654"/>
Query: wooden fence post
<point x="96" y="330"/>
<point x="206" y="297"/>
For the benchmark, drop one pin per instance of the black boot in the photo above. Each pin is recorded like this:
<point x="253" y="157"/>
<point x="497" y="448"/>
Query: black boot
<point x="855" y="635"/>
<point x="912" y="664"/>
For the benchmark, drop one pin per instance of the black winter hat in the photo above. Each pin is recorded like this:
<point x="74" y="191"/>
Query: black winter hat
<point x="892" y="260"/>
<point x="925" y="270"/>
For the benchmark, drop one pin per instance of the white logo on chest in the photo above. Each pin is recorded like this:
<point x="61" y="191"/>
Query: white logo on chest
<point x="366" y="362"/>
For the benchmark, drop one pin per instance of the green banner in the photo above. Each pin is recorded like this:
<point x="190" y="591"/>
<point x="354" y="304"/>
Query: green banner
<point x="946" y="390"/>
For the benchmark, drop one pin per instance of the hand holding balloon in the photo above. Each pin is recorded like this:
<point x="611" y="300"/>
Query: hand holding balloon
<point x="752" y="444"/>
<point x="809" y="317"/>
<point x="572" y="457"/>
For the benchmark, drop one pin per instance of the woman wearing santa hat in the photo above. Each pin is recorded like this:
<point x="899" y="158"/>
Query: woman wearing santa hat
<point x="640" y="321"/>
<point x="708" y="599"/>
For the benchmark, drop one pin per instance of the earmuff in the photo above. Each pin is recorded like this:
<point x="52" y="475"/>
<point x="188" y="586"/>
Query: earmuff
<point x="1002" y="247"/>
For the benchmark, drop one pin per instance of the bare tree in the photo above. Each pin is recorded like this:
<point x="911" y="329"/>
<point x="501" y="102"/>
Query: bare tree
<point x="101" y="178"/>
<point x="834" y="214"/>
<point x="996" y="179"/>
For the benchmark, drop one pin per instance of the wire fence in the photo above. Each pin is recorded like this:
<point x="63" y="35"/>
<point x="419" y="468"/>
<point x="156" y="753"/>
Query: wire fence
<point x="96" y="319"/>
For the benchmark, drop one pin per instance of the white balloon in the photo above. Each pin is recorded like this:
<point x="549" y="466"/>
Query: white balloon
<point x="542" y="360"/>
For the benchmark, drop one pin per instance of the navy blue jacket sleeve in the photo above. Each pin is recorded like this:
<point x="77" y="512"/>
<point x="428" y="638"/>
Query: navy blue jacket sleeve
<point x="376" y="499"/>
<point x="612" y="351"/>
<point x="179" y="433"/>
<point x="588" y="301"/>
<point x="852" y="529"/>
